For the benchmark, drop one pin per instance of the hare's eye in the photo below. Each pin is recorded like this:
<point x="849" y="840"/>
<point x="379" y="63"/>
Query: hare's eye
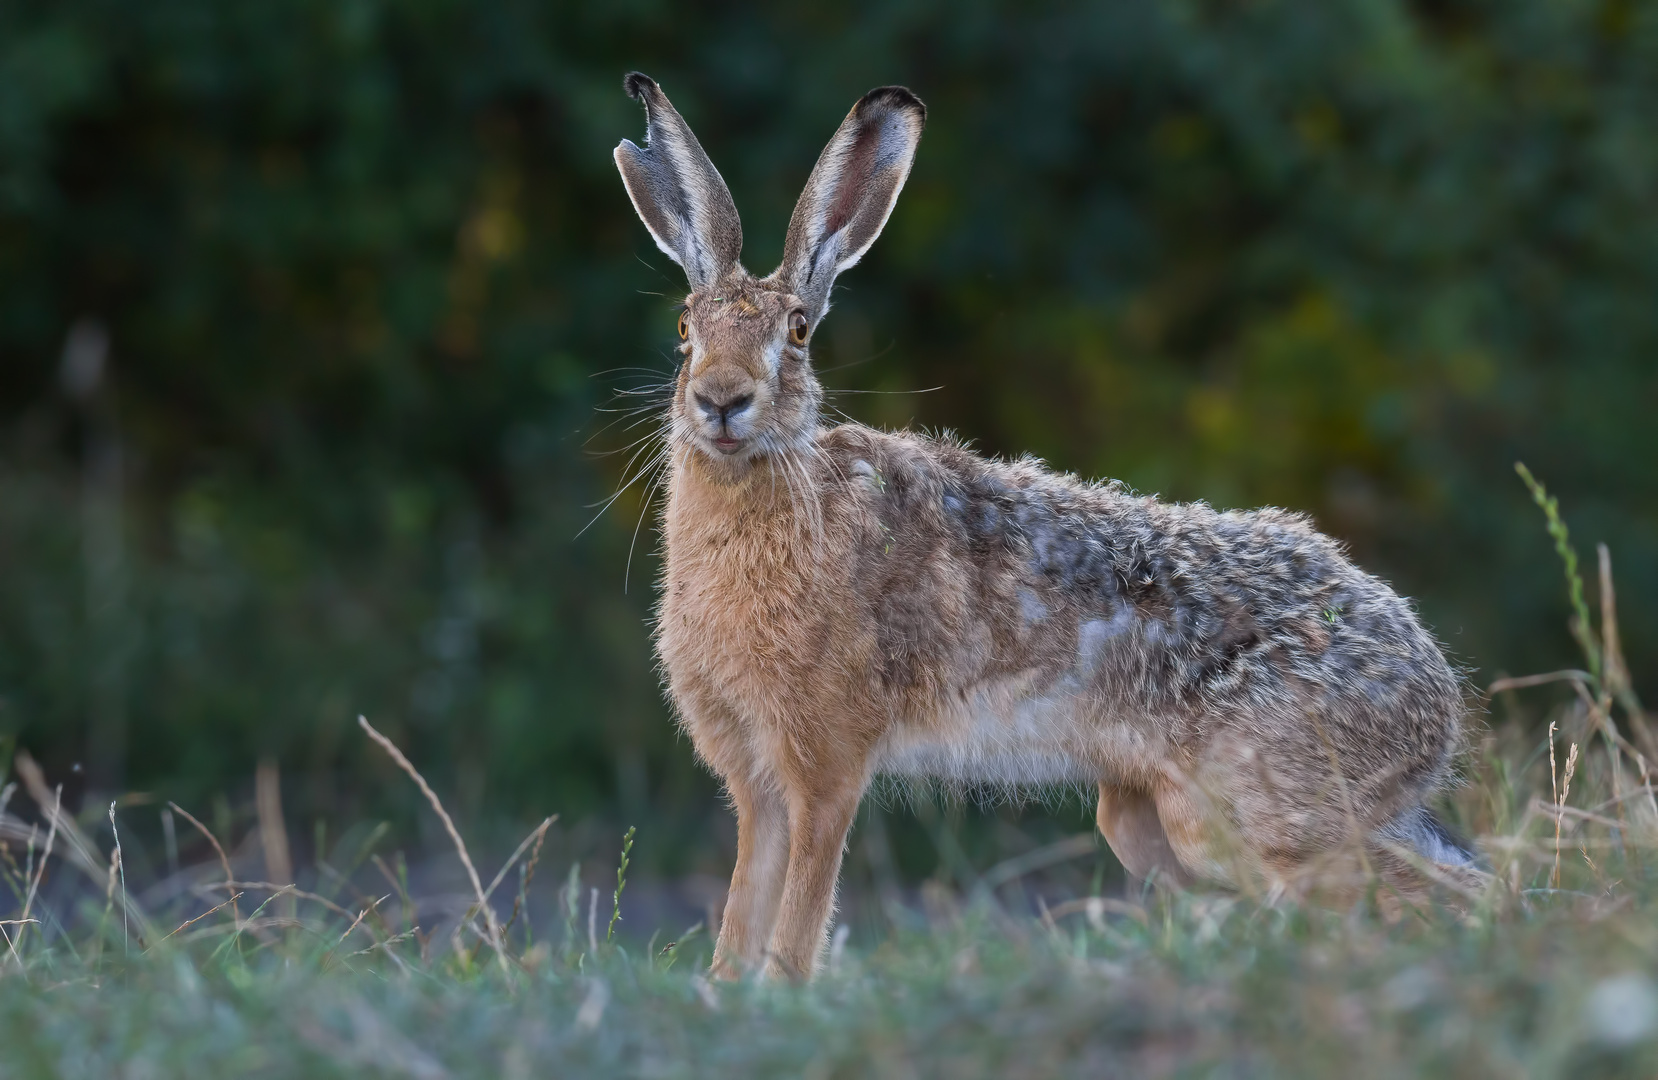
<point x="797" y="328"/>
<point x="684" y="327"/>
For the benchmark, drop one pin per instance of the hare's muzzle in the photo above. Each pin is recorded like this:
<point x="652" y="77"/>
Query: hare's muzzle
<point x="722" y="407"/>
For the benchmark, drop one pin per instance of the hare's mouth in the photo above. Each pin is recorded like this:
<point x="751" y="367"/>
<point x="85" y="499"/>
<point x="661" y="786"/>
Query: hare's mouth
<point x="725" y="444"/>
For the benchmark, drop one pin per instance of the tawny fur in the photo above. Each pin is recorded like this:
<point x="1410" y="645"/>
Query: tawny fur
<point x="839" y="602"/>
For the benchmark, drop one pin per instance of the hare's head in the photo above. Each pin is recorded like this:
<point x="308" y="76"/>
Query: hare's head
<point x="746" y="388"/>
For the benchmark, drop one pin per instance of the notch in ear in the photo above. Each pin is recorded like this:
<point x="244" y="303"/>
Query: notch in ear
<point x="680" y="196"/>
<point x="850" y="193"/>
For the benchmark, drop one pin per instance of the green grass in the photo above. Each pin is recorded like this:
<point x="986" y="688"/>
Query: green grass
<point x="1204" y="985"/>
<point x="1550" y="969"/>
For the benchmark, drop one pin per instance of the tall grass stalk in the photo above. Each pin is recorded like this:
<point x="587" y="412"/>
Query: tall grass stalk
<point x="1580" y="626"/>
<point x="621" y="883"/>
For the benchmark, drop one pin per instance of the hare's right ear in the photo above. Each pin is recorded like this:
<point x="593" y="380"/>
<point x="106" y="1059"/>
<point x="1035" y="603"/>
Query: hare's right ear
<point x="851" y="191"/>
<point x="677" y="191"/>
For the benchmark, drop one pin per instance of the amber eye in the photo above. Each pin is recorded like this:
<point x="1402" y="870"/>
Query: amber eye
<point x="797" y="328"/>
<point x="684" y="326"/>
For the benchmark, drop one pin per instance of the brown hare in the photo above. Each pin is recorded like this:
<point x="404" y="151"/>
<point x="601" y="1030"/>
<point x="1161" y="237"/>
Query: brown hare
<point x="840" y="602"/>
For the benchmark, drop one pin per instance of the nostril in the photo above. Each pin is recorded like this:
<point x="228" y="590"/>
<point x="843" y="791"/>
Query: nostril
<point x="721" y="411"/>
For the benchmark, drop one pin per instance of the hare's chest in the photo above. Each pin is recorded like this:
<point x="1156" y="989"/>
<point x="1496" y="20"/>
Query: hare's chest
<point x="739" y="619"/>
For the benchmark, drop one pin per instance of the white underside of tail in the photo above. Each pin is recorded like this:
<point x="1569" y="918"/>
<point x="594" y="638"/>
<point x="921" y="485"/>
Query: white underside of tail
<point x="1418" y="830"/>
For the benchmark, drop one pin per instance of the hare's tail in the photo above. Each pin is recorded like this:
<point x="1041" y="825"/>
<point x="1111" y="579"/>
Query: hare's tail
<point x="1422" y="832"/>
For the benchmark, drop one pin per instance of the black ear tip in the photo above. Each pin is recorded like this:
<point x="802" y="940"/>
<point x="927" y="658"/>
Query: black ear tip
<point x="635" y="84"/>
<point x="893" y="97"/>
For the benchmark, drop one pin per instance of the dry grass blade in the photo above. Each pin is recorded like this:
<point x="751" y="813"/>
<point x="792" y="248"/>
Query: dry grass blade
<point x="526" y="877"/>
<point x="385" y="946"/>
<point x="403" y="763"/>
<point x="1612" y="666"/>
<point x="1580" y="815"/>
<point x="1617" y="669"/>
<point x="1523" y="681"/>
<point x="252" y="922"/>
<point x="329" y="955"/>
<point x="1565" y="793"/>
<point x="46" y="855"/>
<point x="273" y="834"/>
<point x="273" y="888"/>
<point x="534" y="837"/>
<point x="1433" y="872"/>
<point x="1355" y="835"/>
<point x="191" y="922"/>
<point x="409" y="909"/>
<point x="121" y="865"/>
<point x="11" y="944"/>
<point x="1646" y="789"/>
<point x="359" y="919"/>
<point x="230" y="878"/>
<point x="1554" y="792"/>
<point x="258" y="927"/>
<point x="1098" y="905"/>
<point x="1600" y="712"/>
<point x="81" y="850"/>
<point x="1072" y="847"/>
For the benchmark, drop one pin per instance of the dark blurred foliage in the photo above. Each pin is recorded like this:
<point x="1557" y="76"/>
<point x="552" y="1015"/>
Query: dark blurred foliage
<point x="366" y="272"/>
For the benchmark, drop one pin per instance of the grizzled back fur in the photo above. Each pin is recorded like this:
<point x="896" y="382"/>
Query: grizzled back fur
<point x="840" y="602"/>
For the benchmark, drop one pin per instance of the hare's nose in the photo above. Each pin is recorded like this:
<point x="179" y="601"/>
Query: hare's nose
<point x="721" y="411"/>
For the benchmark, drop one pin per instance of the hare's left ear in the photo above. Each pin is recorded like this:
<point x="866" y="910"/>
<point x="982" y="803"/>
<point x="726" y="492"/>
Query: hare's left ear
<point x="680" y="196"/>
<point x="851" y="191"/>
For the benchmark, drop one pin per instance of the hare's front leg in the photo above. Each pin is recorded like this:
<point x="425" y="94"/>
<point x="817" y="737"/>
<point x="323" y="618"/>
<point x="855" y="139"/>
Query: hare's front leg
<point x="820" y="815"/>
<point x="757" y="879"/>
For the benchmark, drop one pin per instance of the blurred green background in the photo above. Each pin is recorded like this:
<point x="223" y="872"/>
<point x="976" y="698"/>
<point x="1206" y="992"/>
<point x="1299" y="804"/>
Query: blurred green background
<point x="306" y="310"/>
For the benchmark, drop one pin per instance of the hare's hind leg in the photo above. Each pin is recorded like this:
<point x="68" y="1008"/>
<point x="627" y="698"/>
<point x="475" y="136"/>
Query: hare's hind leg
<point x="1195" y="829"/>
<point x="1129" y="821"/>
<point x="757" y="879"/>
<point x="1176" y="831"/>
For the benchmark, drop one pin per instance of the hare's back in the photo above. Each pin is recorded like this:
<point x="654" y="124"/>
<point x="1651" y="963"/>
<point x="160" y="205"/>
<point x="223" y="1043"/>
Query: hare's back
<point x="1040" y="614"/>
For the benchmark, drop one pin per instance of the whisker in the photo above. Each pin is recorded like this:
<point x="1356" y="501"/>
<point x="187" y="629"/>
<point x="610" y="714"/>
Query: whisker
<point x="858" y="363"/>
<point x="631" y="410"/>
<point x="771" y="453"/>
<point x="829" y="459"/>
<point x="626" y="469"/>
<point x="644" y="414"/>
<point x="838" y="393"/>
<point x="618" y="370"/>
<point x="842" y="414"/>
<point x="805" y="500"/>
<point x="808" y="506"/>
<point x="608" y="503"/>
<point x="780" y="462"/>
<point x="644" y="508"/>
<point x="624" y="449"/>
<point x="658" y="272"/>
